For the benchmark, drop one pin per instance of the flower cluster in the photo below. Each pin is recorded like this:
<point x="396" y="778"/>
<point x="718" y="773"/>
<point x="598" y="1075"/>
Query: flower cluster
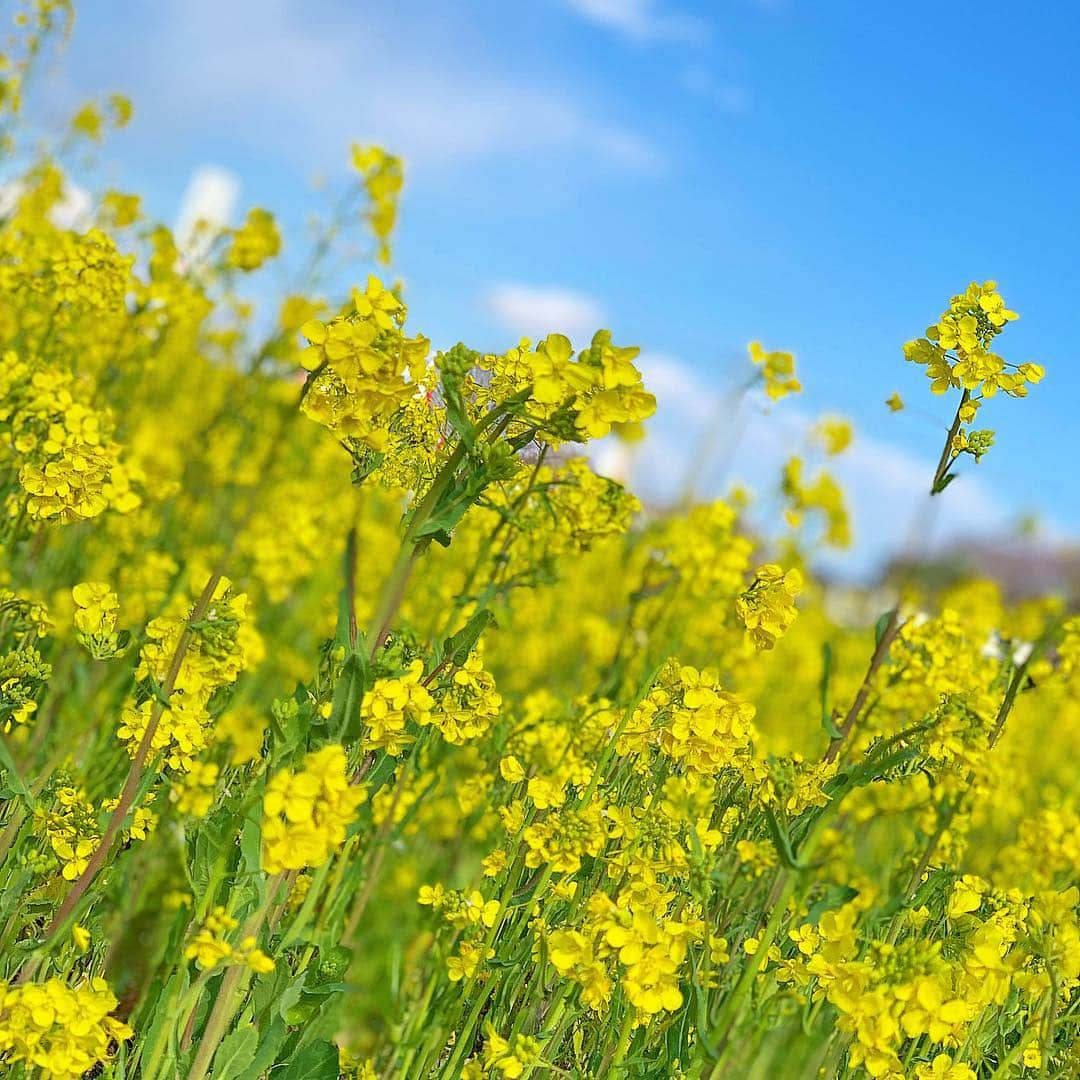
<point x="693" y="720"/>
<point x="59" y="1030"/>
<point x="211" y="652"/>
<point x="469" y="704"/>
<point x="392" y="704"/>
<point x="777" y="370"/>
<point x="306" y="813"/>
<point x="574" y="397"/>
<point x="67" y="462"/>
<point x="510" y="1057"/>
<point x="23" y="673"/>
<point x="210" y="947"/>
<point x="564" y="837"/>
<point x="96" y="611"/>
<point x="957" y="354"/>
<point x="254" y="242"/>
<point x="821" y="498"/>
<point x="382" y="177"/>
<point x="72" y="830"/>
<point x="632" y="938"/>
<point x="767" y="607"/>
<point x="362" y="367"/>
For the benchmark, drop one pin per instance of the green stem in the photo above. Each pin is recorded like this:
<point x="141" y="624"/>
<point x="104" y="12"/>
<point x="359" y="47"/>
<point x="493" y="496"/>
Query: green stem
<point x="947" y="455"/>
<point x="614" y="1058"/>
<point x="1007" y="1062"/>
<point x="135" y="772"/>
<point x="235" y="979"/>
<point x="394" y="589"/>
<point x="729" y="1015"/>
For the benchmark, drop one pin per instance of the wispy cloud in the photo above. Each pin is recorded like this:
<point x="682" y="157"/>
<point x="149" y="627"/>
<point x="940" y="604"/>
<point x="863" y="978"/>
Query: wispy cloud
<point x="297" y="91"/>
<point x="535" y="311"/>
<point x="728" y="97"/>
<point x="641" y="20"/>
<point x="716" y="438"/>
<point x="71" y="211"/>
<point x="207" y="205"/>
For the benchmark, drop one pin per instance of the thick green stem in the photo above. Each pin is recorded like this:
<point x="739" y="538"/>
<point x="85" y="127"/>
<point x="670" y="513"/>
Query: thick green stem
<point x="947" y="455"/>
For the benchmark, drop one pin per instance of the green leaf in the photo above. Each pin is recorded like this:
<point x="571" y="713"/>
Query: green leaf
<point x="380" y="772"/>
<point x="456" y="413"/>
<point x="290" y="724"/>
<point x="943" y="483"/>
<point x="160" y="1012"/>
<point x="273" y="1036"/>
<point x="882" y="623"/>
<point x="325" y="989"/>
<point x="782" y="841"/>
<point x="235" y="1053"/>
<point x="442" y="522"/>
<point x="834" y="897"/>
<point x="873" y="768"/>
<point x="345" y="704"/>
<point x="290" y="996"/>
<point x="251" y="844"/>
<point x="441" y="537"/>
<point x="457" y="647"/>
<point x="319" y="1061"/>
<point x="365" y="462"/>
<point x="157" y="691"/>
<point x="827" y="721"/>
<point x="701" y="1011"/>
<point x="210" y="850"/>
<point x="14" y="779"/>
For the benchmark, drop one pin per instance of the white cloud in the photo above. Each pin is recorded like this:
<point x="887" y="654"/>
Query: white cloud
<point x="534" y="311"/>
<point x="295" y="90"/>
<point x="433" y="118"/>
<point x="707" y="438"/>
<point x="206" y="206"/>
<point x="71" y="211"/>
<point x="677" y="389"/>
<point x="640" y="20"/>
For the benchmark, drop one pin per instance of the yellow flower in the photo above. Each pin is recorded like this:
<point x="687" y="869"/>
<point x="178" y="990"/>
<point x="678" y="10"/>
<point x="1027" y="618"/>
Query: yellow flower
<point x="778" y="371"/>
<point x="254" y="242"/>
<point x="767" y="608"/>
<point x="511" y="769"/>
<point x="546" y="792"/>
<point x="306" y="813"/>
<point x="382" y="177"/>
<point x="834" y="433"/>
<point x="63" y="1032"/>
<point x="966" y="896"/>
<point x="943" y="1068"/>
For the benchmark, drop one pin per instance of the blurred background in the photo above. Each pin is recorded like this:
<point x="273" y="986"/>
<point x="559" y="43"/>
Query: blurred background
<point x="819" y="176"/>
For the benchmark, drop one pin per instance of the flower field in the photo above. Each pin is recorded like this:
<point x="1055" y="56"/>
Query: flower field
<point x="353" y="725"/>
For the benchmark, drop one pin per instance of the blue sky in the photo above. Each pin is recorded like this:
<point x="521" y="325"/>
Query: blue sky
<point x="821" y="176"/>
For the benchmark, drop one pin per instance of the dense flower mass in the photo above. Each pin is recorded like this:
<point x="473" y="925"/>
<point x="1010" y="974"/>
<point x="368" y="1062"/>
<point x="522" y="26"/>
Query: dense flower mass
<point x="59" y="1031"/>
<point x="354" y="724"/>
<point x="306" y="813"/>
